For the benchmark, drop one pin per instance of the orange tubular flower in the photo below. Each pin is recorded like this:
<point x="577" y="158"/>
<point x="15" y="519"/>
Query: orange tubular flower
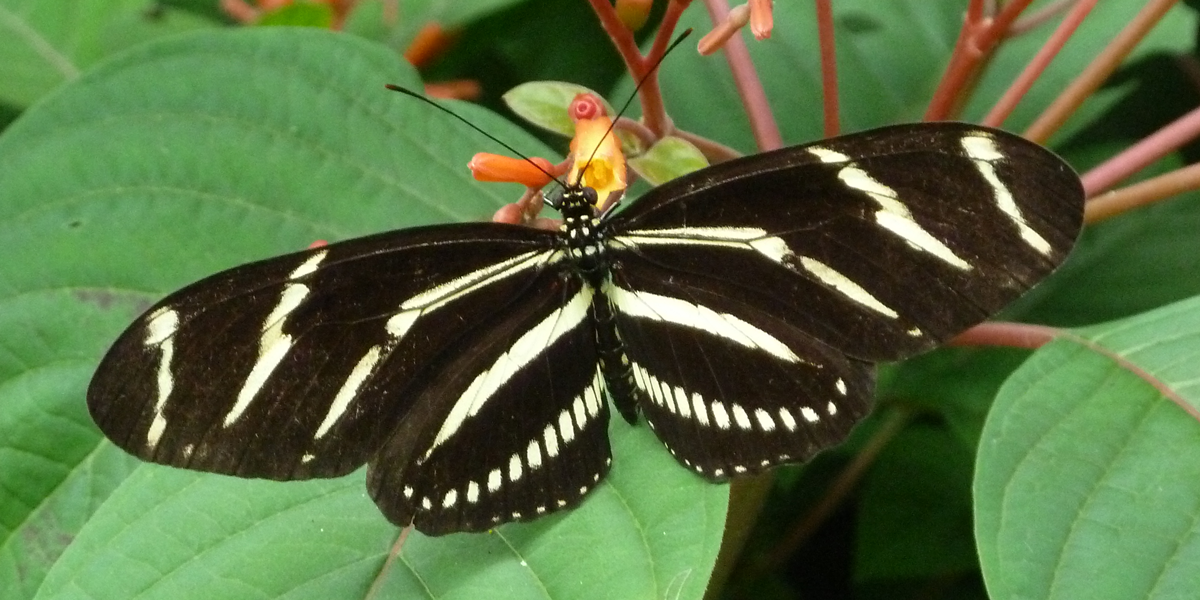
<point x="431" y="42"/>
<point x="757" y="13"/>
<point x="597" y="162"/>
<point x="485" y="166"/>
<point x="761" y="21"/>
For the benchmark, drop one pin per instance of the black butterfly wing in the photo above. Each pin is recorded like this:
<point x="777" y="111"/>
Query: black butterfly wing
<point x="511" y="427"/>
<point x="801" y="266"/>
<point x="727" y="394"/>
<point x="745" y="303"/>
<point x="300" y="366"/>
<point x="881" y="244"/>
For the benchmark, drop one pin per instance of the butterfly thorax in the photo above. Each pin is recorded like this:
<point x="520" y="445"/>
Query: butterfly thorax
<point x="582" y="232"/>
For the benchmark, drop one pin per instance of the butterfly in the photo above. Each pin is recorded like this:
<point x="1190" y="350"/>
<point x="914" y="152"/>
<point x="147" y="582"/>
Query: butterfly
<point x="739" y="310"/>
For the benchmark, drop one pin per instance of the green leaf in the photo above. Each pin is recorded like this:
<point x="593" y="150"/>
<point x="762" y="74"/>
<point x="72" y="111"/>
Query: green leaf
<point x="168" y="533"/>
<point x="957" y="385"/>
<point x="667" y="159"/>
<point x="45" y="43"/>
<point x="545" y="104"/>
<point x="1088" y="478"/>
<point x="914" y="519"/>
<point x="129" y="183"/>
<point x="54" y="471"/>
<point x="299" y="14"/>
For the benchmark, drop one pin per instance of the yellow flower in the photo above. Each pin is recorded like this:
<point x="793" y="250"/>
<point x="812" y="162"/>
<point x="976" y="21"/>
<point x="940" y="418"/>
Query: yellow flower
<point x="598" y="161"/>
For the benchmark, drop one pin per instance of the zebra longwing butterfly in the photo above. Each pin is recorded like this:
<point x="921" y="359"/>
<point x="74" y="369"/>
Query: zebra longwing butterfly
<point x="737" y="309"/>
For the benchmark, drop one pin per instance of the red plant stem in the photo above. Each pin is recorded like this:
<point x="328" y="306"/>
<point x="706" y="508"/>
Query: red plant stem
<point x="633" y="127"/>
<point x="749" y="87"/>
<point x="381" y="577"/>
<point x="1020" y="335"/>
<point x="654" y="113"/>
<point x="715" y="152"/>
<point x="1138" y="156"/>
<point x="976" y="43"/>
<point x="1110" y="204"/>
<point x="998" y="28"/>
<point x="1012" y="335"/>
<point x="621" y="37"/>
<point x="829" y="82"/>
<point x="666" y="29"/>
<point x="1038" y="64"/>
<point x="1048" y="11"/>
<point x="974" y="11"/>
<point x="1098" y="71"/>
<point x="960" y="68"/>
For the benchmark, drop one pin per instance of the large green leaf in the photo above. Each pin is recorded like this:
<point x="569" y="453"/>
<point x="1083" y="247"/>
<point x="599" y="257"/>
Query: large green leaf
<point x="45" y="43"/>
<point x="1088" y="477"/>
<point x="167" y="533"/>
<point x="198" y="153"/>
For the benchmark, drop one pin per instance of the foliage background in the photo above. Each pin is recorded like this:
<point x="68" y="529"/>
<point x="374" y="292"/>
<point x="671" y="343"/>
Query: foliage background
<point x="148" y="144"/>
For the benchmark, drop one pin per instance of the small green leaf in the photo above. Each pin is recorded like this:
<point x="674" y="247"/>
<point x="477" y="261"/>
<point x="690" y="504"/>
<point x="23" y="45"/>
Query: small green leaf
<point x="667" y="159"/>
<point x="545" y="104"/>
<point x="299" y="14"/>
<point x="1088" y="478"/>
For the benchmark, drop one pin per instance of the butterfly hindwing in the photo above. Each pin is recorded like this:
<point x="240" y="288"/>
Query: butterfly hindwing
<point x="512" y="426"/>
<point x="881" y="244"/>
<point x="728" y="388"/>
<point x="273" y="369"/>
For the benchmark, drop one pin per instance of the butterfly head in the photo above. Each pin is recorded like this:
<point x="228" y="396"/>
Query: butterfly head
<point x="574" y="202"/>
<point x="582" y="228"/>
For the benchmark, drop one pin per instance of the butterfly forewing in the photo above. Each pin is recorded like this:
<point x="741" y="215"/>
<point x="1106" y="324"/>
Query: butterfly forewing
<point x="512" y="426"/>
<point x="299" y="366"/>
<point x="880" y="244"/>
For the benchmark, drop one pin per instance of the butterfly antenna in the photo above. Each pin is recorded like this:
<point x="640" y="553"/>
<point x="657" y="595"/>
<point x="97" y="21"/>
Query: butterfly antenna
<point x="422" y="98"/>
<point x="651" y="71"/>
